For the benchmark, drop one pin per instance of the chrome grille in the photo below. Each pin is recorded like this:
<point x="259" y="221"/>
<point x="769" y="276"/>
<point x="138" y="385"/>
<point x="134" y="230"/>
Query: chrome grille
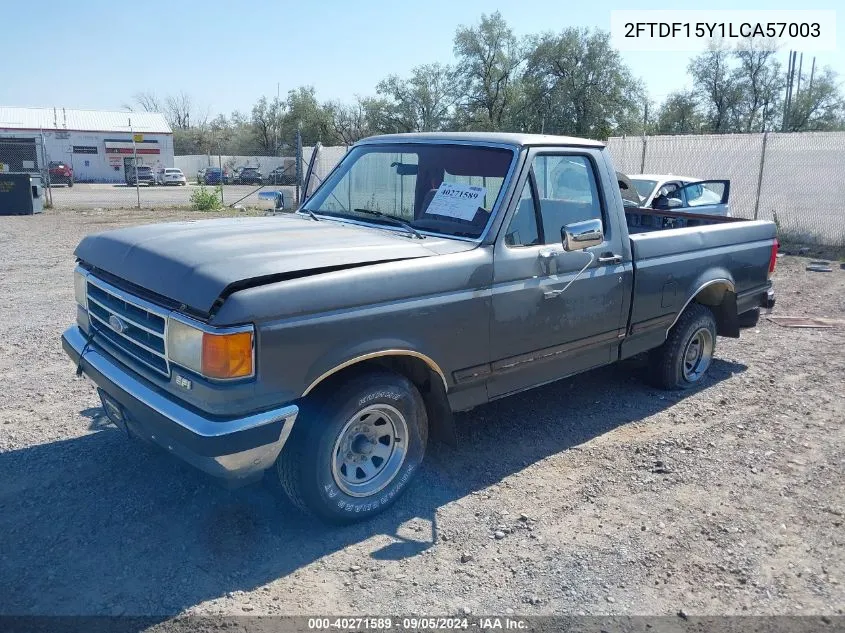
<point x="140" y="331"/>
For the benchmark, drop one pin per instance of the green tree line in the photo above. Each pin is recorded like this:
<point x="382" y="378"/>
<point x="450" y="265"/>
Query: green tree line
<point x="572" y="82"/>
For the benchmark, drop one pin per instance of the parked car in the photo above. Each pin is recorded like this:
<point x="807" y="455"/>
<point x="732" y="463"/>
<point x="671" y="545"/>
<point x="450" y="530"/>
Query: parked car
<point x="171" y="176"/>
<point x="659" y="191"/>
<point x="145" y="173"/>
<point x="60" y="173"/>
<point x="249" y="176"/>
<point x="325" y="346"/>
<point x="212" y="176"/>
<point x="281" y="176"/>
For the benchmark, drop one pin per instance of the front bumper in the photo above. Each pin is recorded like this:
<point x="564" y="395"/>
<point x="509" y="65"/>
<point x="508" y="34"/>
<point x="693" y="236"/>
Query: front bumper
<point x="235" y="449"/>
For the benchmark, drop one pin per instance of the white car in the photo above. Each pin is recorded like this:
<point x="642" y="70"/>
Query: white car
<point x="171" y="176"/>
<point x="683" y="193"/>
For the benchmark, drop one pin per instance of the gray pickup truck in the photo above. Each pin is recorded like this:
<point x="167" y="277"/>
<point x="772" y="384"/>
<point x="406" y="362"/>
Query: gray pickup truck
<point x="428" y="274"/>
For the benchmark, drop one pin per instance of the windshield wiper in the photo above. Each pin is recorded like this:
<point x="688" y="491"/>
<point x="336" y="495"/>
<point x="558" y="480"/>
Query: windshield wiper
<point x="393" y="220"/>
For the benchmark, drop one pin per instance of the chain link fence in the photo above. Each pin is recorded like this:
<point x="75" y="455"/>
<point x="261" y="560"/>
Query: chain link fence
<point x="793" y="178"/>
<point x="132" y="178"/>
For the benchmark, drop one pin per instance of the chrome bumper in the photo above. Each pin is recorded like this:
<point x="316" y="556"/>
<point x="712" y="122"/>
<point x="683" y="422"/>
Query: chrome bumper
<point x="237" y="449"/>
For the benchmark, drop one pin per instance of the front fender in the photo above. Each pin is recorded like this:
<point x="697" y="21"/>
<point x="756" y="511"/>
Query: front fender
<point x="338" y="359"/>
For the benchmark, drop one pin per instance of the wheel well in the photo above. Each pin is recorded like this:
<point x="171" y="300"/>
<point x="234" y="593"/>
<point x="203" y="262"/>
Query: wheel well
<point x="720" y="297"/>
<point x="426" y="379"/>
<point x="714" y="294"/>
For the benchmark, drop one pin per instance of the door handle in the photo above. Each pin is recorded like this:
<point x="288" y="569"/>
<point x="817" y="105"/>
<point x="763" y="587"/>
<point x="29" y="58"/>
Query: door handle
<point x="610" y="258"/>
<point x="547" y="257"/>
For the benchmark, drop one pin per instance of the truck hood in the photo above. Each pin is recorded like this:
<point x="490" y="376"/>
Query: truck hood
<point x="196" y="262"/>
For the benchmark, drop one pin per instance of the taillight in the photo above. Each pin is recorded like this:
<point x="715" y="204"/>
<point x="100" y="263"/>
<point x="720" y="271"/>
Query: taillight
<point x="773" y="258"/>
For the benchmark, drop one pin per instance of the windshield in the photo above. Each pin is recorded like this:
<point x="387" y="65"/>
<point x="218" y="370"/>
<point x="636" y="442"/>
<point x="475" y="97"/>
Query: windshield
<point x="644" y="187"/>
<point x="440" y="188"/>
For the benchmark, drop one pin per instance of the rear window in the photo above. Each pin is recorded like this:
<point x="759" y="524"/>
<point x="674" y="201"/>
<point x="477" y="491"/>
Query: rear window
<point x="172" y="171"/>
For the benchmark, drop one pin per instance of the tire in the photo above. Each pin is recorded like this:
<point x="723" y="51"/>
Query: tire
<point x="70" y="184"/>
<point x="675" y="364"/>
<point x="320" y="480"/>
<point x="750" y="318"/>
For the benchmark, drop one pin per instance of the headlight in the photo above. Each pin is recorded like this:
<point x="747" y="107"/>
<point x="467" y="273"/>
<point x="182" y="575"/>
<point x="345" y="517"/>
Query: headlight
<point x="220" y="355"/>
<point x="80" y="288"/>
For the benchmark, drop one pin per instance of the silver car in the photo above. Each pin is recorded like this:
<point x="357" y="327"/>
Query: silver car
<point x="171" y="176"/>
<point x="683" y="193"/>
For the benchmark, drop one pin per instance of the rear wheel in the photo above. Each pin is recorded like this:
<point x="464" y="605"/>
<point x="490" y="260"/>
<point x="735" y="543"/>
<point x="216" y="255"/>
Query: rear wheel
<point x="683" y="360"/>
<point x="354" y="451"/>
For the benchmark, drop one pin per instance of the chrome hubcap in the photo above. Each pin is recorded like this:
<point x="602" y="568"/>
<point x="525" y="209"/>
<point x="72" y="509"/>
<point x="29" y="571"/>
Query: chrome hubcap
<point x="370" y="450"/>
<point x="698" y="355"/>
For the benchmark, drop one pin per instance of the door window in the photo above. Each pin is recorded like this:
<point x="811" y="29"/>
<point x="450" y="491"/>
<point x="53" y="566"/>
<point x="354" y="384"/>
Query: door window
<point x="567" y="191"/>
<point x="523" y="230"/>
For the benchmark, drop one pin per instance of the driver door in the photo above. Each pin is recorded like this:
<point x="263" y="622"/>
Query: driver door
<point x="544" y="328"/>
<point x="708" y="197"/>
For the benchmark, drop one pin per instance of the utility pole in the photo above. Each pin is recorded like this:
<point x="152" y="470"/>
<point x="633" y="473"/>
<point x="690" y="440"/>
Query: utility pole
<point x="135" y="163"/>
<point x="812" y="73"/>
<point x="789" y="71"/>
<point x="298" y="163"/>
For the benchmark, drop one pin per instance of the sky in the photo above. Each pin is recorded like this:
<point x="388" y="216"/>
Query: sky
<point x="97" y="54"/>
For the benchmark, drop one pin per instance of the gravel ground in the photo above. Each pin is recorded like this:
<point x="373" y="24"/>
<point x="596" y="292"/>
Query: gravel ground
<point x="595" y="495"/>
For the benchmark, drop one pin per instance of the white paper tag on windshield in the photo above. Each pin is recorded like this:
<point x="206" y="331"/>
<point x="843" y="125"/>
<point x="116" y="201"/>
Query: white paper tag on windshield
<point x="457" y="201"/>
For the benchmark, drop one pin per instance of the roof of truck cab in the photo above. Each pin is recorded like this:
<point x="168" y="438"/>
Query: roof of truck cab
<point x="504" y="138"/>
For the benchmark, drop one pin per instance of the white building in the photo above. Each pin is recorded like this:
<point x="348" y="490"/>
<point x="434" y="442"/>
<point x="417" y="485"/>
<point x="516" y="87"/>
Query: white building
<point x="99" y="145"/>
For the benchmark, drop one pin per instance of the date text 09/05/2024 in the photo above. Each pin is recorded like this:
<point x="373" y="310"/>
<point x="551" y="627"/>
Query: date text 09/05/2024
<point x="722" y="29"/>
<point x="416" y="623"/>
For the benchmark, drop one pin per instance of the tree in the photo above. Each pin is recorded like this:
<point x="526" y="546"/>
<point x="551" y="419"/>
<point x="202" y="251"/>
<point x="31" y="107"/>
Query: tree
<point x="302" y="111"/>
<point x="147" y="101"/>
<point x="576" y="83"/>
<point x="759" y="82"/>
<point x="266" y="123"/>
<point x="818" y="106"/>
<point x="423" y="102"/>
<point x="679" y="114"/>
<point x="488" y="58"/>
<point x="718" y="88"/>
<point x="348" y="120"/>
<point x="178" y="110"/>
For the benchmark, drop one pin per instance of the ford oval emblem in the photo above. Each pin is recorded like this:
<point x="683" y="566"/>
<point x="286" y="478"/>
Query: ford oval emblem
<point x="117" y="324"/>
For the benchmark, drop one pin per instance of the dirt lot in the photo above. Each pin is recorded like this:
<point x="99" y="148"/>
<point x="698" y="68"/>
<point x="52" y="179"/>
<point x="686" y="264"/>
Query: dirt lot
<point x="594" y="495"/>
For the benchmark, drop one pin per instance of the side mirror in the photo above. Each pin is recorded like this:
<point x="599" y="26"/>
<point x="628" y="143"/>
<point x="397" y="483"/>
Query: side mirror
<point x="580" y="235"/>
<point x="674" y="203"/>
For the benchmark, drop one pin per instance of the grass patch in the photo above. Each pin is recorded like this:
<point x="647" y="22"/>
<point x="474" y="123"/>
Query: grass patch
<point x="204" y="199"/>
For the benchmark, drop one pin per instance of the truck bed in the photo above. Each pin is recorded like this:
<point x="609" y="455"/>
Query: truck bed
<point x="645" y="220"/>
<point x="671" y="265"/>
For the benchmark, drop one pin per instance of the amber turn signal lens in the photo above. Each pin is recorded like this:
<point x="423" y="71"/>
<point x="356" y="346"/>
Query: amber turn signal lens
<point x="227" y="355"/>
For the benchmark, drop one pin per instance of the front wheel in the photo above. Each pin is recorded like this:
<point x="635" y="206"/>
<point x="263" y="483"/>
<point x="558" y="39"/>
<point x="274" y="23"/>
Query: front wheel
<point x="354" y="451"/>
<point x="683" y="360"/>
